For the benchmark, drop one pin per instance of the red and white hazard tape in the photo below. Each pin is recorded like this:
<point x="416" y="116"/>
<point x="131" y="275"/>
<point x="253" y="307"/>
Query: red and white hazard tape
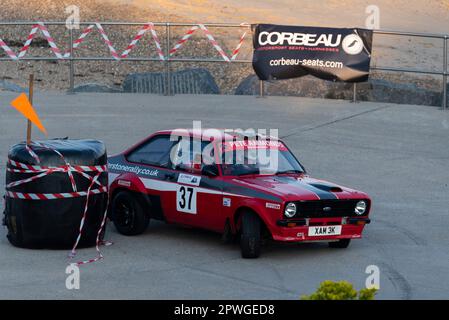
<point x="98" y="242"/>
<point x="25" y="168"/>
<point x="236" y="51"/>
<point x="211" y="39"/>
<point x="80" y="40"/>
<point x="52" y="196"/>
<point x="8" y="50"/>
<point x="136" y="39"/>
<point x="50" y="40"/>
<point x="95" y="187"/>
<point x="181" y="41"/>
<point x="107" y="41"/>
<point x="25" y="47"/>
<point x="40" y="26"/>
<point x="27" y="44"/>
<point x="214" y="42"/>
<point x="147" y="27"/>
<point x="157" y="42"/>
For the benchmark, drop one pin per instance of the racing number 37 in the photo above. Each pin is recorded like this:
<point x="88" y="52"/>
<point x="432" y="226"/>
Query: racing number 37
<point x="186" y="199"/>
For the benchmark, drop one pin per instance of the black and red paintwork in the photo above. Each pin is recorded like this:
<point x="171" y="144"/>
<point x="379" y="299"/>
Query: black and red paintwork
<point x="220" y="200"/>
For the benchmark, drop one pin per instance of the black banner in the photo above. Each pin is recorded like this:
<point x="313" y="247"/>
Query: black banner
<point x="284" y="52"/>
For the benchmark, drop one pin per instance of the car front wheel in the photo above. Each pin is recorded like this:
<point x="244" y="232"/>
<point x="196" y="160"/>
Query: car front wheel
<point x="250" y="240"/>
<point x="128" y="214"/>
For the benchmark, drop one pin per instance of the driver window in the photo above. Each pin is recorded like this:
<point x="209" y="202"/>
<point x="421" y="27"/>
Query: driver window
<point x="193" y="154"/>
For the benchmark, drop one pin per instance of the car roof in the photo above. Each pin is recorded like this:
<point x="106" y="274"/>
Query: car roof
<point x="212" y="133"/>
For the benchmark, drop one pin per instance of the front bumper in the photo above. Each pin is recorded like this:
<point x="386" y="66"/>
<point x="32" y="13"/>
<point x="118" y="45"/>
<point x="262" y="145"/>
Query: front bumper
<point x="297" y="230"/>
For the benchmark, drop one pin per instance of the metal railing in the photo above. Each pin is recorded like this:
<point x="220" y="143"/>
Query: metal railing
<point x="168" y="26"/>
<point x="444" y="70"/>
<point x="168" y="59"/>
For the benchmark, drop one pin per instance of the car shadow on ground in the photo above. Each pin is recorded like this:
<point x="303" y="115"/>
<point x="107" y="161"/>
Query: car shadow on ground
<point x="196" y="237"/>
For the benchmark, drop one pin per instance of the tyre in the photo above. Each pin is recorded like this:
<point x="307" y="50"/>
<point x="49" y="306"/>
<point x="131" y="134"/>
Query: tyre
<point x="128" y="214"/>
<point x="250" y="240"/>
<point x="342" y="243"/>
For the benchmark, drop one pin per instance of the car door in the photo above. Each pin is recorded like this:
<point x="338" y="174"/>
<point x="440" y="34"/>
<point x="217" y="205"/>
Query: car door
<point x="150" y="161"/>
<point x="199" y="197"/>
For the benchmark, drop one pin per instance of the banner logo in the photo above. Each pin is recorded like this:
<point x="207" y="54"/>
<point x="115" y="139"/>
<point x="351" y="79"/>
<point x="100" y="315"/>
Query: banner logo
<point x="352" y="44"/>
<point x="298" y="39"/>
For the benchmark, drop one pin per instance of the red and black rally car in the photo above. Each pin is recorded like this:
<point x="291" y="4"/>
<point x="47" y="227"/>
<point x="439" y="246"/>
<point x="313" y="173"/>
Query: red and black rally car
<point x="166" y="177"/>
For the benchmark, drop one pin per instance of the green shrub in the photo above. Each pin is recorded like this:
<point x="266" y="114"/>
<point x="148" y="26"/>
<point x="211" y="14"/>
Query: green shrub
<point x="367" y="294"/>
<point x="341" y="290"/>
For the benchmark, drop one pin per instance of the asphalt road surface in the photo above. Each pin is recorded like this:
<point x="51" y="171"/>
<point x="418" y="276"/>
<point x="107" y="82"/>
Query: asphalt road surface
<point x="398" y="154"/>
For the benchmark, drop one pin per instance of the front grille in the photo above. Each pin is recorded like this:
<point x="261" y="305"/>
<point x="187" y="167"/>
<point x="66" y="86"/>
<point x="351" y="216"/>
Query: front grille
<point x="319" y="208"/>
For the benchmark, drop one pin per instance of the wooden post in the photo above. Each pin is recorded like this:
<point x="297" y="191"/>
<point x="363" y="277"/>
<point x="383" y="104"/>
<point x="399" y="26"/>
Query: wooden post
<point x="30" y="97"/>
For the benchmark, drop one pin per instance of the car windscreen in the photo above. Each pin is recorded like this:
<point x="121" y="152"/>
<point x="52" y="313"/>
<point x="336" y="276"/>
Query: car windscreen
<point x="257" y="157"/>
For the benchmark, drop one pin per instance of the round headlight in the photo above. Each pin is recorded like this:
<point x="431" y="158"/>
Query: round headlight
<point x="360" y="208"/>
<point x="290" y="210"/>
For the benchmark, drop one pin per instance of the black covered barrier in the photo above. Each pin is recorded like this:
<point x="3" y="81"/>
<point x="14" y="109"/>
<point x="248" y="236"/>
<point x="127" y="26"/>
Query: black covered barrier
<point x="46" y="212"/>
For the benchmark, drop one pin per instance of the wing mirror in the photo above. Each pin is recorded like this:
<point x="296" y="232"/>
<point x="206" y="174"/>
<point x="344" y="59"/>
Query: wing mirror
<point x="209" y="170"/>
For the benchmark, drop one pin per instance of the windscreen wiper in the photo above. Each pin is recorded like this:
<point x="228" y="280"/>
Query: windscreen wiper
<point x="248" y="173"/>
<point x="289" y="171"/>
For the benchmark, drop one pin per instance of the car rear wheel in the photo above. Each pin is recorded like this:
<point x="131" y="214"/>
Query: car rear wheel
<point x="128" y="215"/>
<point x="250" y="240"/>
<point x="342" y="243"/>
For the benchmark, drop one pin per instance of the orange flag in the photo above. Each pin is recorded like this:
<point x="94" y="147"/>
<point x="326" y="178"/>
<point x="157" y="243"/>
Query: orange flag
<point x="23" y="105"/>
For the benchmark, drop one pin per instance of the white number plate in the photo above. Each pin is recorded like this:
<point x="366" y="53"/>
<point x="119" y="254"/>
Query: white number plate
<point x="324" y="231"/>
